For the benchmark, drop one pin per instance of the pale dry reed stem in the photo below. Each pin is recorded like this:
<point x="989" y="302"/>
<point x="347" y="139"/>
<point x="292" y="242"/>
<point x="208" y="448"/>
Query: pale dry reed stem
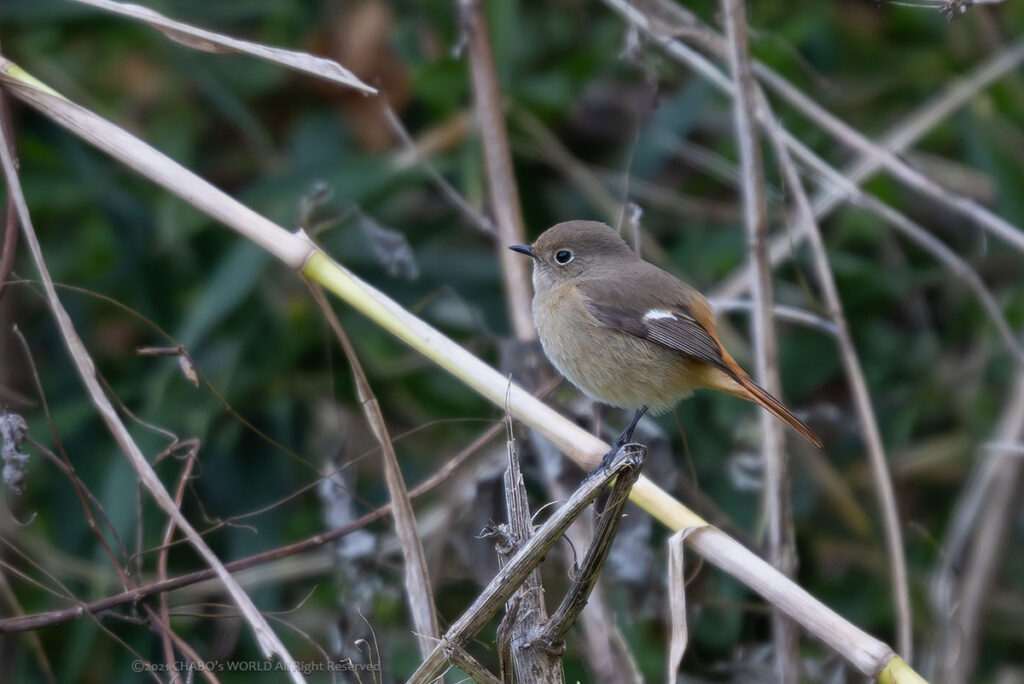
<point x="775" y="490"/>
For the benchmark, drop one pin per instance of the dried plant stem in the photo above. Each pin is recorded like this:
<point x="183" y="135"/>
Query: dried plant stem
<point x="583" y="584"/>
<point x="501" y="179"/>
<point x="601" y="642"/>
<point x="525" y="612"/>
<point x="919" y="236"/>
<point x="898" y="140"/>
<point x="867" y="654"/>
<point x="514" y="573"/>
<point x="776" y="501"/>
<point x="861" y="398"/>
<point x="417" y="578"/>
<point x="267" y="639"/>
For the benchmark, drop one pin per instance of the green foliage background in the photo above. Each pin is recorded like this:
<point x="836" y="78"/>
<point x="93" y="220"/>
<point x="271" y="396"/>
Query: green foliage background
<point x="141" y="259"/>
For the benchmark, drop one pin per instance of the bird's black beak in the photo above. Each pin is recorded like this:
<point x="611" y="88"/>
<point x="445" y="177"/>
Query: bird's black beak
<point x="524" y="249"/>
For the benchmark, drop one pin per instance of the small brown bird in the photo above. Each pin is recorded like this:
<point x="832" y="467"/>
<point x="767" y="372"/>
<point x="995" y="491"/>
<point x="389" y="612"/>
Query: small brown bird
<point x="627" y="333"/>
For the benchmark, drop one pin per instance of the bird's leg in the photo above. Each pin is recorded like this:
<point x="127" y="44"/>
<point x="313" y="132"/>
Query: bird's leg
<point x="624" y="437"/>
<point x="627" y="434"/>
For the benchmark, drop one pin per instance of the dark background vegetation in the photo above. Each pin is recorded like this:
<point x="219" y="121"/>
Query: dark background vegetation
<point x="284" y="408"/>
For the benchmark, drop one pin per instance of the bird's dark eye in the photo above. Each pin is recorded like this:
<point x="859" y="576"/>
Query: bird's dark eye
<point x="563" y="256"/>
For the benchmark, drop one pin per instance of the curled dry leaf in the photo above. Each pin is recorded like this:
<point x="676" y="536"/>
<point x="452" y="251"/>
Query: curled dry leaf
<point x="677" y="602"/>
<point x="391" y="248"/>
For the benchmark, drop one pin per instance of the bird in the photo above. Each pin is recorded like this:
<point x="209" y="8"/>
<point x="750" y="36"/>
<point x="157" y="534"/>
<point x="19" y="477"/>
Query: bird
<point x="627" y="333"/>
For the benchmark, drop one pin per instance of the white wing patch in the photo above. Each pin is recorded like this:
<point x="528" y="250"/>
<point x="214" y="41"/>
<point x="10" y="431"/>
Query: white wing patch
<point x="655" y="314"/>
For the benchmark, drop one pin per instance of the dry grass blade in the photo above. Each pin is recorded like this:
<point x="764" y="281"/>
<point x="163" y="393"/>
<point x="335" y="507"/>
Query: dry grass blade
<point x="776" y="503"/>
<point x="209" y="41"/>
<point x="679" y="629"/>
<point x="417" y="578"/>
<point x="268" y="640"/>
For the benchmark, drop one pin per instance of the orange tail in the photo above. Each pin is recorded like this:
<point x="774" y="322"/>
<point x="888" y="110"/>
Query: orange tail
<point x="743" y="387"/>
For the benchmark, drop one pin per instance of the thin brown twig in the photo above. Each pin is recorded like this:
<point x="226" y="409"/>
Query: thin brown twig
<point x="65" y="593"/>
<point x="500" y="174"/>
<point x="168" y="635"/>
<point x="777" y="505"/>
<point x="522" y="659"/>
<point x="56" y="617"/>
<point x="84" y="494"/>
<point x="161" y="563"/>
<point x="34" y="642"/>
<point x="468" y="211"/>
<point x="268" y="641"/>
<point x="128" y="580"/>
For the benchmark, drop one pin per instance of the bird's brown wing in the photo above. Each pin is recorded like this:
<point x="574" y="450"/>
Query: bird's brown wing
<point x="663" y="318"/>
<point x="668" y="312"/>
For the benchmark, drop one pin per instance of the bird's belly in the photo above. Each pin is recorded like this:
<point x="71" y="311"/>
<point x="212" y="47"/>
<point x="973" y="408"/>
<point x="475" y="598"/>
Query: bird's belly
<point x="613" y="367"/>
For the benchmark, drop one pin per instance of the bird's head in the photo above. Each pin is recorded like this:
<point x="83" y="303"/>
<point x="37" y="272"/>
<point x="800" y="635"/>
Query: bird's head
<point x="575" y="249"/>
